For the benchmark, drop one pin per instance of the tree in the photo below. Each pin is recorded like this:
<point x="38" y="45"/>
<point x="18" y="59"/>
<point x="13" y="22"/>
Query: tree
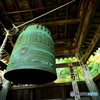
<point x="93" y="63"/>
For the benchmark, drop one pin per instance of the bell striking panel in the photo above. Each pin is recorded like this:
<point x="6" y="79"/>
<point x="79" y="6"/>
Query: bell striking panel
<point x="33" y="57"/>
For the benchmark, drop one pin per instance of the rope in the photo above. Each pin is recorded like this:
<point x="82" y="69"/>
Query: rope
<point x="46" y="13"/>
<point x="4" y="43"/>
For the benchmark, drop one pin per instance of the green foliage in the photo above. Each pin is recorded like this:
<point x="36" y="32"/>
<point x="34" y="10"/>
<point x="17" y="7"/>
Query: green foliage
<point x="74" y="59"/>
<point x="93" y="63"/>
<point x="63" y="74"/>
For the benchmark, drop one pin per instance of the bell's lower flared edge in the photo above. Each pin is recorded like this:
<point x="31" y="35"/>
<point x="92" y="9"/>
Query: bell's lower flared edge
<point x="30" y="76"/>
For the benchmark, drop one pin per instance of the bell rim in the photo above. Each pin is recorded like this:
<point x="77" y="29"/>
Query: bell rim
<point x="9" y="75"/>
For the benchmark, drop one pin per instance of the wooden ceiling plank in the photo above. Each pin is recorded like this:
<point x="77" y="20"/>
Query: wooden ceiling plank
<point x="16" y="8"/>
<point x="92" y="45"/>
<point x="41" y="4"/>
<point x="89" y="10"/>
<point x="28" y="10"/>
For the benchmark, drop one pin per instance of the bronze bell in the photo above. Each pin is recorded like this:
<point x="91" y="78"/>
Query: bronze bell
<point x="33" y="58"/>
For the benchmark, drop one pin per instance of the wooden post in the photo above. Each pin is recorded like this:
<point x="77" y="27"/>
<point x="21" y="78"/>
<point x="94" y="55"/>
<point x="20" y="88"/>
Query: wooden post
<point x="74" y="83"/>
<point x="88" y="78"/>
<point x="63" y="92"/>
<point x="77" y="74"/>
<point x="5" y="87"/>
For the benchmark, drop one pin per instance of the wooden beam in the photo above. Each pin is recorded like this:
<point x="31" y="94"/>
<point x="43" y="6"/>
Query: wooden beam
<point x="83" y="25"/>
<point x="96" y="78"/>
<point x="92" y="45"/>
<point x="62" y="65"/>
<point x="62" y="40"/>
<point x="44" y="85"/>
<point x="29" y="10"/>
<point x="7" y="57"/>
<point x="39" y="20"/>
<point x="61" y="22"/>
<point x="81" y="17"/>
<point x="64" y="50"/>
<point x="10" y="41"/>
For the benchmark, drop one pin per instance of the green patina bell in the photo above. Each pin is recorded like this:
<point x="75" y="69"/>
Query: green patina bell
<point x="33" y="57"/>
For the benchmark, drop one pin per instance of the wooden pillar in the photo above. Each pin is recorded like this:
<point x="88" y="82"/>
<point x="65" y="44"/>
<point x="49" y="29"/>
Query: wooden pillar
<point x="5" y="87"/>
<point x="63" y="93"/>
<point x="77" y="74"/>
<point x="74" y="83"/>
<point x="31" y="94"/>
<point x="88" y="78"/>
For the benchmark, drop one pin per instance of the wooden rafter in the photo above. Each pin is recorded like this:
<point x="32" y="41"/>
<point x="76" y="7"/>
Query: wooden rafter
<point x="6" y="56"/>
<point x="92" y="45"/>
<point x="28" y="10"/>
<point x="64" y="50"/>
<point x="61" y="22"/>
<point x="11" y="42"/>
<point x="84" y="24"/>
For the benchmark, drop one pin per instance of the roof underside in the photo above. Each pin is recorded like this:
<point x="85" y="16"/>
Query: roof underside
<point x="72" y="27"/>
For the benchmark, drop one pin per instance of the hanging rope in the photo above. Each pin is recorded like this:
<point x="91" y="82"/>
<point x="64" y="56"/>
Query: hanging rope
<point x="46" y="13"/>
<point x="4" y="43"/>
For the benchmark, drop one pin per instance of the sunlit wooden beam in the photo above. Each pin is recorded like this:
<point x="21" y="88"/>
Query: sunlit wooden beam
<point x="92" y="45"/>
